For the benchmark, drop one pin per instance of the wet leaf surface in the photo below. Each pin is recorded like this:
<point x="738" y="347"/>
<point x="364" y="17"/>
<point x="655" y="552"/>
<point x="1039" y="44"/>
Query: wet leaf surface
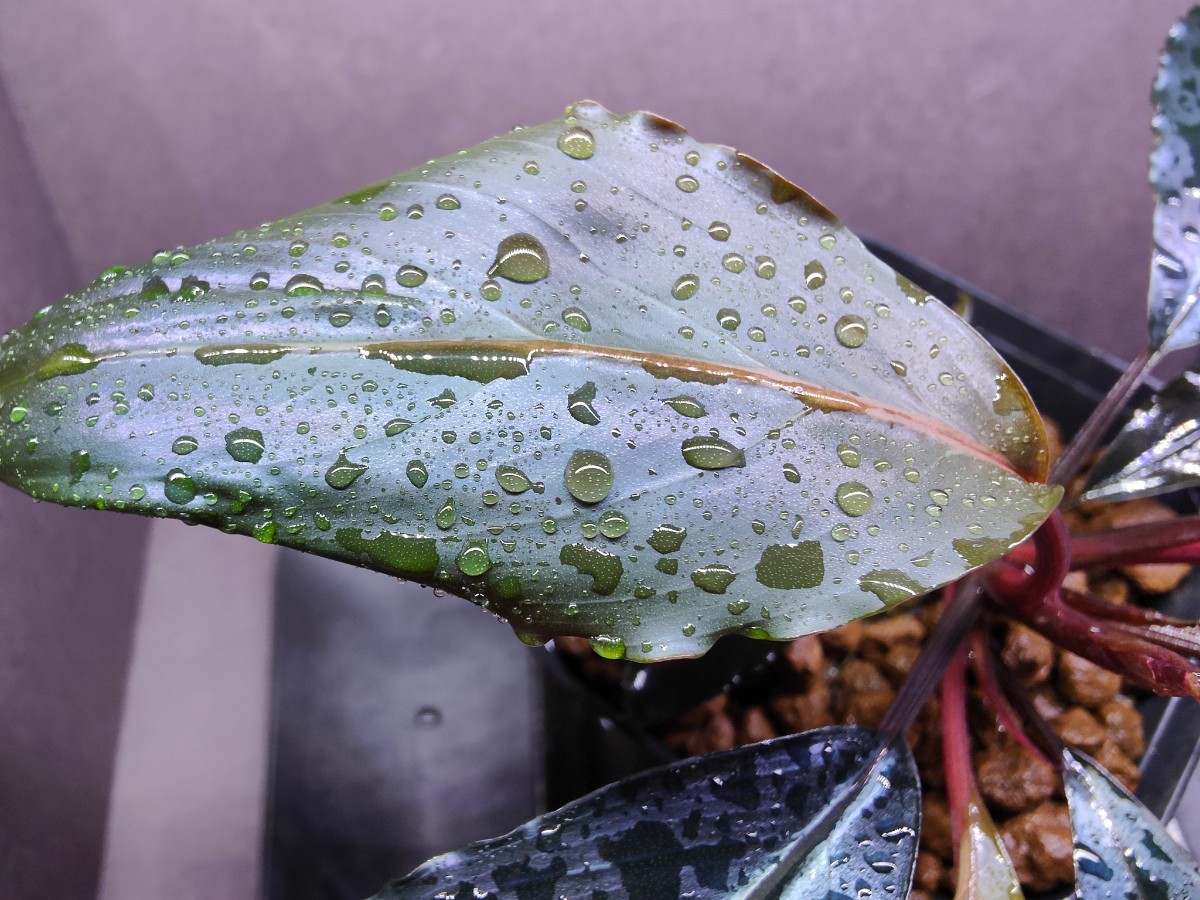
<point x="825" y="813"/>
<point x="1157" y="451"/>
<point x="595" y="376"/>
<point x="1175" y="176"/>
<point x="1121" y="851"/>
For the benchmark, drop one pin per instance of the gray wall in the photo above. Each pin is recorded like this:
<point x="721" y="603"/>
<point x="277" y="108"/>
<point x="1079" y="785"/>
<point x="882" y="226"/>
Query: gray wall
<point x="1005" y="141"/>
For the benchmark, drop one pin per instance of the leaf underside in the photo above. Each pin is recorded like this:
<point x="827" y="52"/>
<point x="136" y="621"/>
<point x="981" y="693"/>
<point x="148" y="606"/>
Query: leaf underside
<point x="827" y="813"/>
<point x="1121" y="851"/>
<point x="593" y="375"/>
<point x="1158" y="450"/>
<point x="1175" y="270"/>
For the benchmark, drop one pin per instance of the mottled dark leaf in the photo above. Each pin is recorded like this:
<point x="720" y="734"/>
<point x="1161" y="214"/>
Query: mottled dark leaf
<point x="1158" y="450"/>
<point x="1175" y="175"/>
<point x="828" y="813"/>
<point x="596" y="376"/>
<point x="1121" y="851"/>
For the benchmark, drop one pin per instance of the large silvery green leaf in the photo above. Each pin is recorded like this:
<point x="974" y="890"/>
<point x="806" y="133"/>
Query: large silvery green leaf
<point x="1121" y="851"/>
<point x="1157" y="451"/>
<point x="593" y="375"/>
<point x="1175" y="176"/>
<point x="828" y="813"/>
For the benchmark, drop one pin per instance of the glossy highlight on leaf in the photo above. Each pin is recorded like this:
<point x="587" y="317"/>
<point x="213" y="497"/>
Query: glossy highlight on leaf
<point x="1121" y="851"/>
<point x="984" y="870"/>
<point x="828" y="813"/>
<point x="826" y="437"/>
<point x="1175" y="176"/>
<point x="1157" y="451"/>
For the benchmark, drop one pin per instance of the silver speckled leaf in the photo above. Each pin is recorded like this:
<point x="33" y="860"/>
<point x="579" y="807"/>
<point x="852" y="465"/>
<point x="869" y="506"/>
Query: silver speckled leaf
<point x="1175" y="176"/>
<point x="600" y="378"/>
<point x="1121" y="851"/>
<point x="1157" y="451"/>
<point x="827" y="813"/>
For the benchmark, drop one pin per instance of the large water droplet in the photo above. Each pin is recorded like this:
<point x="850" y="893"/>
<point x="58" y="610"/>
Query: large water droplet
<point x="687" y="183"/>
<point x="474" y="560"/>
<point x="576" y="318"/>
<point x="448" y="201"/>
<point x="411" y="276"/>
<point x="184" y="444"/>
<point x="854" y="498"/>
<point x="685" y="287"/>
<point x="667" y="538"/>
<point x="686" y="406"/>
<point x="814" y="274"/>
<point x="343" y="473"/>
<point x="734" y="262"/>
<point x="613" y="524"/>
<point x="512" y="479"/>
<point x="729" y="318"/>
<point x="579" y="404"/>
<point x="302" y="285"/>
<point x="446" y="515"/>
<point x="179" y="487"/>
<point x="245" y="445"/>
<point x="851" y="331"/>
<point x="719" y="231"/>
<point x="589" y="476"/>
<point x="706" y="452"/>
<point x="520" y="258"/>
<point x="417" y="473"/>
<point x="764" y="267"/>
<point x="713" y="579"/>
<point x="577" y="142"/>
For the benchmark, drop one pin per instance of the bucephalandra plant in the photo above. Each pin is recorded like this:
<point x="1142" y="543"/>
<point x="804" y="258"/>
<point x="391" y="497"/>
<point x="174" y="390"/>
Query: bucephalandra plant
<point x="606" y="381"/>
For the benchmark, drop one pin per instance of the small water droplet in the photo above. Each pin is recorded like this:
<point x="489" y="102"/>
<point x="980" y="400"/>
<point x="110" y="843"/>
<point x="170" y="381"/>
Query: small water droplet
<point x="849" y="456"/>
<point x="445" y="516"/>
<point x="340" y="318"/>
<point x="416" y="211"/>
<point x="260" y="281"/>
<point x="764" y="267"/>
<point x="729" y="318"/>
<point x="297" y="248"/>
<point x="474" y="560"/>
<point x="448" y="201"/>
<point x="686" y="406"/>
<point x="184" y="444"/>
<point x="490" y="290"/>
<point x="827" y="241"/>
<point x="374" y="284"/>
<point x="814" y="275"/>
<point x="428" y="717"/>
<point x="396" y="426"/>
<point x="388" y="211"/>
<point x="613" y="524"/>
<point x="383" y="316"/>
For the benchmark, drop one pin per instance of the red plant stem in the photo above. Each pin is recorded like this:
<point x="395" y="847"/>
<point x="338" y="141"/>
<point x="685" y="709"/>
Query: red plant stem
<point x="1172" y="540"/>
<point x="1092" y="605"/>
<point x="1038" y="729"/>
<point x="962" y="605"/>
<point x="1089" y="436"/>
<point x="956" y="746"/>
<point x="1107" y="644"/>
<point x="983" y="664"/>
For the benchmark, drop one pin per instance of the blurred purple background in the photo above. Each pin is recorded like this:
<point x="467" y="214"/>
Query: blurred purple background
<point x="1005" y="142"/>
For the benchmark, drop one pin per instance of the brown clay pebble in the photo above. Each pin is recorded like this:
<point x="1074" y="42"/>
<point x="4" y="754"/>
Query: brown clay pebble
<point x="1152" y="579"/>
<point x="844" y="640"/>
<point x="1039" y="843"/>
<point x="1125" y="726"/>
<point x="929" y="871"/>
<point x="806" y="655"/>
<point x="1082" y="681"/>
<point x="860" y="677"/>
<point x="1012" y="779"/>
<point x="887" y="630"/>
<point x="756" y="726"/>
<point x="802" y="712"/>
<point x="898" y="662"/>
<point x="1110" y="587"/>
<point x="1080" y="729"/>
<point x="935" y="826"/>
<point x="868" y="708"/>
<point x="1120" y="766"/>
<point x="1029" y="654"/>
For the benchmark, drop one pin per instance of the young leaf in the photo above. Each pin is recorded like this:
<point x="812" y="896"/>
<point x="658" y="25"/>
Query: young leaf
<point x="595" y="376"/>
<point x="1175" y="271"/>
<point x="1121" y="850"/>
<point x="827" y="813"/>
<point x="1157" y="451"/>
<point x="984" y="870"/>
